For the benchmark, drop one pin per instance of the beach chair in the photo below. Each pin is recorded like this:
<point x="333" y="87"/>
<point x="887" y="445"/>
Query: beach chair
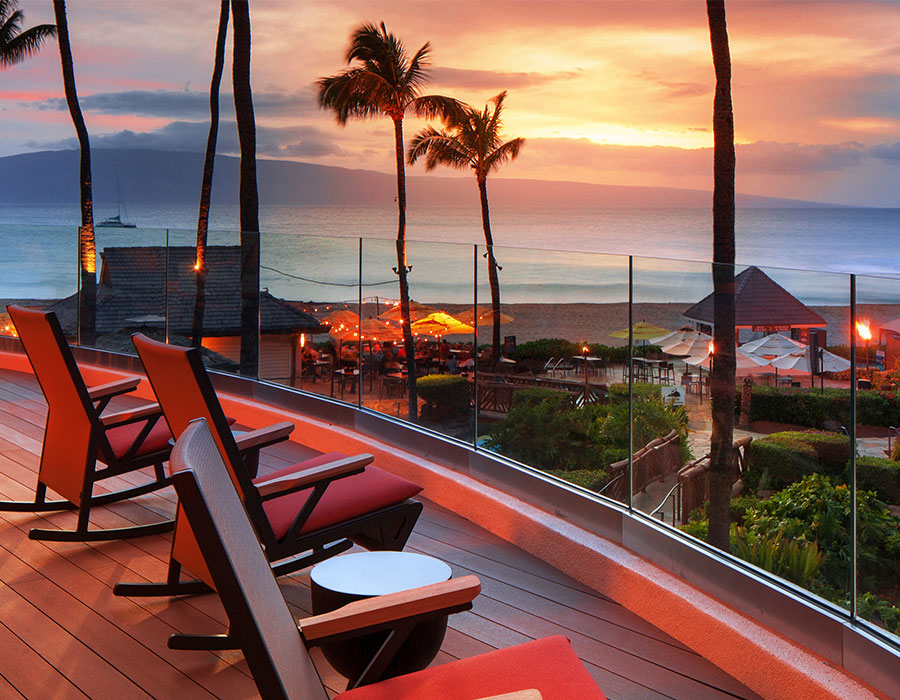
<point x="317" y="508"/>
<point x="77" y="435"/>
<point x="276" y="645"/>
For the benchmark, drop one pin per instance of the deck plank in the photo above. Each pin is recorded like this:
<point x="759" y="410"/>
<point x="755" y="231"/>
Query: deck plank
<point x="59" y="619"/>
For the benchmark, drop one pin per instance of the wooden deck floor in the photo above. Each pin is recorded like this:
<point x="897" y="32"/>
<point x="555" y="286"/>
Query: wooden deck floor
<point x="64" y="635"/>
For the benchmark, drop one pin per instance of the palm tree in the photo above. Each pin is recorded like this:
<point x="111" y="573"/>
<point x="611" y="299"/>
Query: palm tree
<point x="723" y="370"/>
<point x="17" y="45"/>
<point x="206" y="186"/>
<point x="249" y="195"/>
<point x="87" y="252"/>
<point x="386" y="81"/>
<point x="473" y="141"/>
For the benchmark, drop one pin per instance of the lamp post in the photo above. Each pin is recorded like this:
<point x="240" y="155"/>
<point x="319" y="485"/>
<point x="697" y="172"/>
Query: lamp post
<point x="587" y="386"/>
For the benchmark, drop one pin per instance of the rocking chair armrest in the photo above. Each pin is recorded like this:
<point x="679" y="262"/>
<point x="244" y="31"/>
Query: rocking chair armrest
<point x="133" y="415"/>
<point x="393" y="607"/>
<point x="110" y="389"/>
<point x="263" y="437"/>
<point x="530" y="694"/>
<point x="312" y="476"/>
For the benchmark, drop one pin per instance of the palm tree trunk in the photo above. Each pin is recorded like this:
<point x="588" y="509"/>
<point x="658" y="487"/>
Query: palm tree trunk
<point x="249" y="196"/>
<point x="206" y="186"/>
<point x="401" y="269"/>
<point x="723" y="369"/>
<point x="87" y="251"/>
<point x="493" y="277"/>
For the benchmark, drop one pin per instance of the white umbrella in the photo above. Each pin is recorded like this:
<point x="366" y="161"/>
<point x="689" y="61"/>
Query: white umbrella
<point x="773" y="345"/>
<point x="798" y="362"/>
<point x="675" y="337"/>
<point x="745" y="363"/>
<point x="695" y="344"/>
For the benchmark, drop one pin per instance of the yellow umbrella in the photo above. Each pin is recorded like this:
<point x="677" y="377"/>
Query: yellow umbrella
<point x="373" y="329"/>
<point x="484" y="314"/>
<point x="440" y="323"/>
<point x="417" y="311"/>
<point x="641" y="331"/>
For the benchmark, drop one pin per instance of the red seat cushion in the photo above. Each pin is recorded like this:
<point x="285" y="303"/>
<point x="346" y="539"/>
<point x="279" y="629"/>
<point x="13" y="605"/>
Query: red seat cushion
<point x="122" y="437"/>
<point x="344" y="499"/>
<point x="548" y="665"/>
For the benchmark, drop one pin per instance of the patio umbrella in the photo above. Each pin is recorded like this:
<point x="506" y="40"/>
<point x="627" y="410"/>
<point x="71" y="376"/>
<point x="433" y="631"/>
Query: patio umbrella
<point x="745" y="362"/>
<point x="675" y="336"/>
<point x="343" y="317"/>
<point x="417" y="311"/>
<point x="484" y="314"/>
<point x="772" y="345"/>
<point x="641" y="331"/>
<point x="798" y="362"/>
<point x="695" y="344"/>
<point x="440" y="323"/>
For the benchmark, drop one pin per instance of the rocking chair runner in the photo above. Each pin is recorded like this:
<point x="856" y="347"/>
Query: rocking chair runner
<point x="276" y="646"/>
<point x="316" y="508"/>
<point x="77" y="436"/>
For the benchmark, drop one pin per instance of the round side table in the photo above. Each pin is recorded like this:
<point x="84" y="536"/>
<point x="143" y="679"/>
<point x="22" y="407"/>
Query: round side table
<point x="344" y="579"/>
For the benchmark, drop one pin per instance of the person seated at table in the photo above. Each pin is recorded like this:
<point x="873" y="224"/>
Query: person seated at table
<point x="349" y="355"/>
<point x="378" y="358"/>
<point x="444" y="349"/>
<point x="310" y="355"/>
<point x="388" y="351"/>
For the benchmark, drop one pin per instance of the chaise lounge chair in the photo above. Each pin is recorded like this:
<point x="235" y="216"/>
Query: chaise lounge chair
<point x="77" y="436"/>
<point x="317" y="508"/>
<point x="276" y="646"/>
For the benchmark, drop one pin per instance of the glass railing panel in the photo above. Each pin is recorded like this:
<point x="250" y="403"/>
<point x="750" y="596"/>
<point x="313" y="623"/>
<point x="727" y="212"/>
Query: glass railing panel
<point x="670" y="388"/>
<point x="790" y="508"/>
<point x="877" y="336"/>
<point x="441" y="289"/>
<point x="309" y="313"/>
<point x="553" y="399"/>
<point x="39" y="268"/>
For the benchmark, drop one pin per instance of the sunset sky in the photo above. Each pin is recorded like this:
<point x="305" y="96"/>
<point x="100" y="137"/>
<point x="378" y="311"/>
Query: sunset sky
<point x="606" y="92"/>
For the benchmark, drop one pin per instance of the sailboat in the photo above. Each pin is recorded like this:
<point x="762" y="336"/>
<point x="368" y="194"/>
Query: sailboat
<point x="117" y="221"/>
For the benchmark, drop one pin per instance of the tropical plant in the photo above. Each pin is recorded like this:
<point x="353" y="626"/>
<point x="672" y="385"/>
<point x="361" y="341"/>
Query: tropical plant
<point x="15" y="44"/>
<point x="723" y="370"/>
<point x="445" y="395"/>
<point x="472" y="141"/>
<point x="796" y="561"/>
<point x="248" y="195"/>
<point x="206" y="184"/>
<point x="385" y="81"/>
<point x="87" y="250"/>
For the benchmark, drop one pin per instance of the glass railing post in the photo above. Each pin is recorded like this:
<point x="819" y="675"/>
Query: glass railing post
<point x="166" y="288"/>
<point x="630" y="382"/>
<point x="853" y="503"/>
<point x="359" y="319"/>
<point x="475" y="341"/>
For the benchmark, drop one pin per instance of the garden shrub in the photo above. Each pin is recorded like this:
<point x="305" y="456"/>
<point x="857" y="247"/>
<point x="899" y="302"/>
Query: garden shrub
<point x="543" y="349"/>
<point x="879" y="475"/>
<point x="795" y="560"/>
<point x="532" y="396"/>
<point x="782" y="458"/>
<point x="651" y="419"/>
<point x="815" y="510"/>
<point x="445" y="394"/>
<point x="812" y="407"/>
<point x="549" y="434"/>
<point x="590" y="479"/>
<point x="618" y="392"/>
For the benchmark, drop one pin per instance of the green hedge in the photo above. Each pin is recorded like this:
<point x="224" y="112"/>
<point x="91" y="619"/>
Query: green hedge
<point x="812" y="407"/>
<point x="781" y="459"/>
<point x="543" y="349"/>
<point x="618" y="392"/>
<point x="445" y="394"/>
<point x="879" y="475"/>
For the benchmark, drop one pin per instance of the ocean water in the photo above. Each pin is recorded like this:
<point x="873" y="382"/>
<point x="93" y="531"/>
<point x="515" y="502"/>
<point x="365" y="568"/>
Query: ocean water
<point x="548" y="255"/>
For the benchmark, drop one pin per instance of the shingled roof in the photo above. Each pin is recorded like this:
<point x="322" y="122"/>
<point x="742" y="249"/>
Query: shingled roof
<point x="759" y="301"/>
<point x="132" y="293"/>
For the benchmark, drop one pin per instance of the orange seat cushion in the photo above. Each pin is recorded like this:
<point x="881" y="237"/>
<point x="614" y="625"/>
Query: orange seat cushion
<point x="122" y="437"/>
<point x="548" y="665"/>
<point x="344" y="499"/>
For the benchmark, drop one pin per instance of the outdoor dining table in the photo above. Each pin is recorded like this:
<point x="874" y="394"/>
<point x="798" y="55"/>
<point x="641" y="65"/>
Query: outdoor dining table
<point x="643" y="368"/>
<point x="587" y="361"/>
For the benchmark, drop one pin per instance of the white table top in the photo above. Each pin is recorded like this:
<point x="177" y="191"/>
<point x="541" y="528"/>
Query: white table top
<point x="379" y="573"/>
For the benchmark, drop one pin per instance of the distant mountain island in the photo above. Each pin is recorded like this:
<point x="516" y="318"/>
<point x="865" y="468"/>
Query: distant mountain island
<point x="173" y="177"/>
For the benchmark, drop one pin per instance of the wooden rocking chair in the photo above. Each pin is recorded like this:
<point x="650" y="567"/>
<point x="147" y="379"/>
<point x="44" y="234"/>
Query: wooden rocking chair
<point x="77" y="435"/>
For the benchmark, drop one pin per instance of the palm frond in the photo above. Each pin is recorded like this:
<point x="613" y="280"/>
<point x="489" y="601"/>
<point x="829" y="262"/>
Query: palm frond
<point x="436" y="107"/>
<point x="439" y="148"/>
<point x="503" y="154"/>
<point x="354" y="93"/>
<point x="15" y="47"/>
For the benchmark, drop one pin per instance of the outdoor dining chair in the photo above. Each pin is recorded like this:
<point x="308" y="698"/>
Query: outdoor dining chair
<point x="78" y="435"/>
<point x="316" y="508"/>
<point x="276" y="646"/>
